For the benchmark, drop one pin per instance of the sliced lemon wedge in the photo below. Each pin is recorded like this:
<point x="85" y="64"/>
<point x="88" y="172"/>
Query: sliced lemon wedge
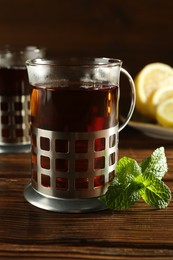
<point x="157" y="97"/>
<point x="153" y="76"/>
<point x="164" y="113"/>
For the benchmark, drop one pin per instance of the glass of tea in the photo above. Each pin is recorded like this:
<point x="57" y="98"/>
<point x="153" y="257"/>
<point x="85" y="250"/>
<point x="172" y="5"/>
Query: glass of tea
<point x="15" y="97"/>
<point x="74" y="131"/>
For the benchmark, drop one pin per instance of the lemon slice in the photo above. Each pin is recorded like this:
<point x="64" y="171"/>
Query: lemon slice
<point x="153" y="76"/>
<point x="157" y="97"/>
<point x="164" y="113"/>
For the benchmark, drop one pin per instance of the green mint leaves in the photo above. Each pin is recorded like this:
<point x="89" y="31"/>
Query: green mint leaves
<point x="134" y="181"/>
<point x="155" y="164"/>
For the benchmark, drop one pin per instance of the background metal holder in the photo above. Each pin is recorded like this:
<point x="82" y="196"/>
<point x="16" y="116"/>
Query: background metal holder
<point x="14" y="127"/>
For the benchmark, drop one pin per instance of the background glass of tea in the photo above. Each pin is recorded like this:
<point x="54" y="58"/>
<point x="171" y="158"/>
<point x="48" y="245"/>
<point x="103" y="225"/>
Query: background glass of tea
<point x="15" y="97"/>
<point x="74" y="131"/>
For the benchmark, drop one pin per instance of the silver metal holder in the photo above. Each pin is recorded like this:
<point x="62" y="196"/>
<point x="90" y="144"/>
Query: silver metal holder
<point x="70" y="170"/>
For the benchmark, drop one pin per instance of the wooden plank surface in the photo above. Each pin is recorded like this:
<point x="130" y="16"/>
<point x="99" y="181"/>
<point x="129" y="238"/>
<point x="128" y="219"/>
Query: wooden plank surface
<point x="27" y="232"/>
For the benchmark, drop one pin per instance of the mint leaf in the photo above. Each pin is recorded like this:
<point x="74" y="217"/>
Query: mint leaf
<point x="123" y="191"/>
<point x="155" y="164"/>
<point x="154" y="191"/>
<point x="159" y="199"/>
<point x="127" y="169"/>
<point x="134" y="181"/>
<point x="121" y="195"/>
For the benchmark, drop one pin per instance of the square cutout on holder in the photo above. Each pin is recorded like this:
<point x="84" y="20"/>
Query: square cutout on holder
<point x="111" y="176"/>
<point x="45" y="162"/>
<point x="45" y="143"/>
<point x="45" y="180"/>
<point x="61" y="165"/>
<point x="111" y="159"/>
<point x="4" y="106"/>
<point x="61" y="146"/>
<point x="4" y="119"/>
<point x="61" y="183"/>
<point x="99" y="181"/>
<point x="81" y="146"/>
<point x="81" y="165"/>
<point x="81" y="183"/>
<point x="112" y="140"/>
<point x="19" y="132"/>
<point x="18" y="106"/>
<point x="99" y="163"/>
<point x="99" y="144"/>
<point x="18" y="119"/>
<point x="28" y="105"/>
<point x="5" y="133"/>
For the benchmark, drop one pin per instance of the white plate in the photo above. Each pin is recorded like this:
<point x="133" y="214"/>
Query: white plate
<point x="150" y="129"/>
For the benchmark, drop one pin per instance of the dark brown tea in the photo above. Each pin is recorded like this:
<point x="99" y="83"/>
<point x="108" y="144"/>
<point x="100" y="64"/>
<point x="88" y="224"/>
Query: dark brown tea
<point x="75" y="108"/>
<point x="14" y="82"/>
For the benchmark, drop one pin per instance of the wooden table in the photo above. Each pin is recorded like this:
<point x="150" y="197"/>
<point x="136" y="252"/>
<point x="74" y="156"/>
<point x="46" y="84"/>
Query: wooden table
<point x="27" y="232"/>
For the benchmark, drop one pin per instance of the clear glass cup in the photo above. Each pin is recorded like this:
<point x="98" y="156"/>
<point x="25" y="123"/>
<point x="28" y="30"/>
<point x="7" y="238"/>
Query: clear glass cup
<point x="15" y="97"/>
<point x="74" y="131"/>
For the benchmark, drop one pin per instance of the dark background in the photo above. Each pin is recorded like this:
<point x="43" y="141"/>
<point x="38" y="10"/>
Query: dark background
<point x="138" y="32"/>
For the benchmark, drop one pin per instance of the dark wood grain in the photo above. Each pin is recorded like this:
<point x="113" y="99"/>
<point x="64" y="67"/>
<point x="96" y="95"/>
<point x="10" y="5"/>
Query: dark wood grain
<point x="27" y="232"/>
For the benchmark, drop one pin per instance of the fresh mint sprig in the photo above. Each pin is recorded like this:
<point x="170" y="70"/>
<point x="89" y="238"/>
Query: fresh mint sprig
<point x="134" y="181"/>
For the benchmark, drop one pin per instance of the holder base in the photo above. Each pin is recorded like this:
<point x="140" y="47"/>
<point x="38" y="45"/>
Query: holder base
<point x="62" y="205"/>
<point x="15" y="148"/>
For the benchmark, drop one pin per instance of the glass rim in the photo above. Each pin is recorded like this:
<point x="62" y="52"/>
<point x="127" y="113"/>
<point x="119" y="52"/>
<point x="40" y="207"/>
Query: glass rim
<point x="21" y="49"/>
<point x="75" y="62"/>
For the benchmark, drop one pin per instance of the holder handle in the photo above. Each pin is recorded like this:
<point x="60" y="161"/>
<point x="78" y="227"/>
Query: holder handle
<point x="133" y="99"/>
